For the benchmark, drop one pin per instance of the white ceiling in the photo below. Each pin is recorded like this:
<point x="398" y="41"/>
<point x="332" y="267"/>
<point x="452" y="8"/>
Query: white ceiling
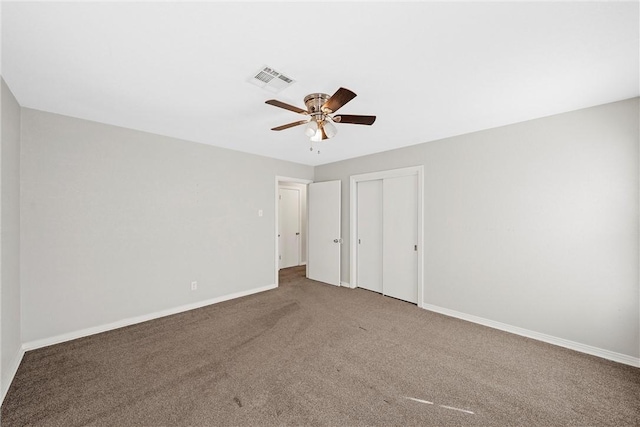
<point x="427" y="70"/>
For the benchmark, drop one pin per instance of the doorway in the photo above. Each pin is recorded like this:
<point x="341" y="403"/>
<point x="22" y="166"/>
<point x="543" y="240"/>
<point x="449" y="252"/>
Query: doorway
<point x="290" y="225"/>
<point x="290" y="231"/>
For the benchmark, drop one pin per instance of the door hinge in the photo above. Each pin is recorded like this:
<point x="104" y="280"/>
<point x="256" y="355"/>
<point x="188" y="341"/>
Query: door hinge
<point x="415" y="248"/>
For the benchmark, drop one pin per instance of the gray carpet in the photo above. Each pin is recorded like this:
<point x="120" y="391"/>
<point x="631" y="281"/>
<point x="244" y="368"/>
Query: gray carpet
<point x="313" y="354"/>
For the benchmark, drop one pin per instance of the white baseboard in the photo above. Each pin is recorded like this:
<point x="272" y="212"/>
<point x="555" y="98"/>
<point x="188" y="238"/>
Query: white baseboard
<point x="32" y="345"/>
<point x="583" y="348"/>
<point x="13" y="369"/>
<point x="345" y="284"/>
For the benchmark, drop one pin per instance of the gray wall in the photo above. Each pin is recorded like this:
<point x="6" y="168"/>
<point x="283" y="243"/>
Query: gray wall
<point x="117" y="223"/>
<point x="10" y="341"/>
<point x="534" y="225"/>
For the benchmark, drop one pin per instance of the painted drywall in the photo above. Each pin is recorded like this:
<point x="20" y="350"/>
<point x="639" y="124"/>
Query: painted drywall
<point x="117" y="223"/>
<point x="303" y="216"/>
<point x="533" y="225"/>
<point x="10" y="341"/>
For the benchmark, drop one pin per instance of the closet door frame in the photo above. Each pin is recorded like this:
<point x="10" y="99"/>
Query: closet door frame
<point x="353" y="220"/>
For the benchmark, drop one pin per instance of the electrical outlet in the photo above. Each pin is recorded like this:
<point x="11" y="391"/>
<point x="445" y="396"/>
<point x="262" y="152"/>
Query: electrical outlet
<point x="194" y="286"/>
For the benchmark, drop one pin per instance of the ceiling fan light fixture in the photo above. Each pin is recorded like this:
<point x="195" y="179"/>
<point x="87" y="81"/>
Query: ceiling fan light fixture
<point x="312" y="128"/>
<point x="329" y="129"/>
<point x="317" y="136"/>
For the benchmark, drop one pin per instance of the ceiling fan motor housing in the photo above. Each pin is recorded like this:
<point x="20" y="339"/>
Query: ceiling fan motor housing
<point x="314" y="103"/>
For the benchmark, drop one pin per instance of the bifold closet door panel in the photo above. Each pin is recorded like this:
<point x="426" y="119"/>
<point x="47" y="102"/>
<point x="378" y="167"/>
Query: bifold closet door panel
<point x="400" y="231"/>
<point x="369" y="245"/>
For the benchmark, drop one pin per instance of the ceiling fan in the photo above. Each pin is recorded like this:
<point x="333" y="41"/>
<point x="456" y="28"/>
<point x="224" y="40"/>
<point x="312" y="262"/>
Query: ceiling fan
<point x="320" y="109"/>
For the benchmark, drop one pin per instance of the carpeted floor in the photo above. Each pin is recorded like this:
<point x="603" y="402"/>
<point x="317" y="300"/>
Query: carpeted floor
<point x="313" y="354"/>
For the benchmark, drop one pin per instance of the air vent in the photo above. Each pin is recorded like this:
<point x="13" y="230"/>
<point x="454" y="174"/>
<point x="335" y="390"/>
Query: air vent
<point x="271" y="80"/>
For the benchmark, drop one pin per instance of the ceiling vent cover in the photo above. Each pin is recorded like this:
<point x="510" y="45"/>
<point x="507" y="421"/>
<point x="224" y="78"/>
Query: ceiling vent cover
<point x="271" y="80"/>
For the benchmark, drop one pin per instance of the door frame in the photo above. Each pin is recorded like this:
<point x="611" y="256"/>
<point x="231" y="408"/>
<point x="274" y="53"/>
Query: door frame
<point x="353" y="220"/>
<point x="278" y="180"/>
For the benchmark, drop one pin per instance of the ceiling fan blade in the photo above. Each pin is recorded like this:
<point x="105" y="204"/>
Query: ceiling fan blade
<point x="324" y="134"/>
<point x="337" y="100"/>
<point x="355" y="119"/>
<point x="289" y="107"/>
<point x="290" y="125"/>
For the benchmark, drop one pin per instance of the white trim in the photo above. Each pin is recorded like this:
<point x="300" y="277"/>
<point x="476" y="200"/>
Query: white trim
<point x="13" y="370"/>
<point x="353" y="219"/>
<point x="391" y="173"/>
<point x="32" y="345"/>
<point x="279" y="179"/>
<point x="346" y="284"/>
<point x="583" y="348"/>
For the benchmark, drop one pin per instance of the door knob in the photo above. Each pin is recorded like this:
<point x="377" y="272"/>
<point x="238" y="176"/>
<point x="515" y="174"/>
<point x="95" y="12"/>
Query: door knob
<point x="335" y="240"/>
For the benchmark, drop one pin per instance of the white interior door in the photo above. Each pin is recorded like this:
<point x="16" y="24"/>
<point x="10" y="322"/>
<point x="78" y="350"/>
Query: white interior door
<point x="369" y="249"/>
<point x="323" y="257"/>
<point x="289" y="227"/>
<point x="400" y="230"/>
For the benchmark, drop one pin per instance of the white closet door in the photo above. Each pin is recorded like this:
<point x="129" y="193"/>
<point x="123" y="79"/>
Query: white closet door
<point x="400" y="230"/>
<point x="323" y="262"/>
<point x="369" y="249"/>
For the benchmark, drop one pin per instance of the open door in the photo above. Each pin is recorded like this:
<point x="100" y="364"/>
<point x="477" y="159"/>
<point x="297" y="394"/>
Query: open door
<point x="323" y="258"/>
